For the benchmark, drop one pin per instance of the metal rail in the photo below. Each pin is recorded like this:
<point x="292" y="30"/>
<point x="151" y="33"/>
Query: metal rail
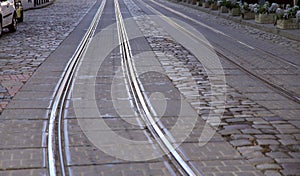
<point x="280" y="90"/>
<point x="62" y="89"/>
<point x="140" y="99"/>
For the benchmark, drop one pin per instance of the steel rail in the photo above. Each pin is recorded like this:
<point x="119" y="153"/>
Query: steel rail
<point x="60" y="94"/>
<point x="233" y="38"/>
<point x="150" y="122"/>
<point x="280" y="90"/>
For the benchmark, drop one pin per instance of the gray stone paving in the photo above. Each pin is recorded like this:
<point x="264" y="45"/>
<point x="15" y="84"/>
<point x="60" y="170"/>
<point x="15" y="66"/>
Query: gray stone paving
<point x="23" y="124"/>
<point x="180" y="72"/>
<point x="22" y="52"/>
<point x="269" y="140"/>
<point x="271" y="67"/>
<point x="251" y="128"/>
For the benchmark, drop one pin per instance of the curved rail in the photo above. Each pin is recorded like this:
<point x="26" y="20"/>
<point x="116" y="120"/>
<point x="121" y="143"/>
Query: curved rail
<point x="61" y="92"/>
<point x="140" y="99"/>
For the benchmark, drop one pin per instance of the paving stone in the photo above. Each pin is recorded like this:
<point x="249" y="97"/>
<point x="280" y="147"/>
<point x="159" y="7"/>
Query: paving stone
<point x="240" y="142"/>
<point x="285" y="136"/>
<point x="242" y="136"/>
<point x="288" y="141"/>
<point x="264" y="136"/>
<point x="255" y="154"/>
<point x="269" y="131"/>
<point x="268" y="166"/>
<point x="291" y="168"/>
<point x="20" y="159"/>
<point x="277" y="155"/>
<point x="297" y="136"/>
<point x="295" y="154"/>
<point x="272" y="173"/>
<point x="286" y="128"/>
<point x="262" y="126"/>
<point x="267" y="142"/>
<point x="261" y="160"/>
<point x="17" y="172"/>
<point x="287" y="160"/>
<point x="23" y="51"/>
<point x="108" y="170"/>
<point x="251" y="131"/>
<point x="276" y="118"/>
<point x="264" y="121"/>
<point x="228" y="132"/>
<point x="236" y="127"/>
<point x="249" y="149"/>
<point x="296" y="123"/>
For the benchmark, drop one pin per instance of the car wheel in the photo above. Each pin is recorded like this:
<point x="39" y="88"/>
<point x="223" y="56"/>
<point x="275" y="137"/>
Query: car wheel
<point x="13" y="26"/>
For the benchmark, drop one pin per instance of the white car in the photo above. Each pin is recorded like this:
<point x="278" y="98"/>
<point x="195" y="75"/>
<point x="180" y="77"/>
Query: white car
<point x="8" y="17"/>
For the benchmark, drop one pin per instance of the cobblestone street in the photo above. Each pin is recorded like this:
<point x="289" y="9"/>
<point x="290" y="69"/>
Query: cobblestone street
<point x="245" y="102"/>
<point x="22" y="52"/>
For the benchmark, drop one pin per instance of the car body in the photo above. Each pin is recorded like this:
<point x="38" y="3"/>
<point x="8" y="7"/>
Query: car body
<point x="8" y="15"/>
<point x="19" y="10"/>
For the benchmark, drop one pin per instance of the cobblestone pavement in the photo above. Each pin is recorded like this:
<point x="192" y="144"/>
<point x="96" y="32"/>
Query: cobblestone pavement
<point x="258" y="133"/>
<point x="268" y="139"/>
<point x="42" y="31"/>
<point x="277" y="50"/>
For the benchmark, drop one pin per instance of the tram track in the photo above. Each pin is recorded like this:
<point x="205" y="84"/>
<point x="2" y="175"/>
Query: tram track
<point x="174" y="156"/>
<point x="277" y="88"/>
<point x="56" y="127"/>
<point x="62" y="91"/>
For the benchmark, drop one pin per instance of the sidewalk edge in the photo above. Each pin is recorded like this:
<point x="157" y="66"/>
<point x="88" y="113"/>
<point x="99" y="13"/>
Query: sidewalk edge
<point x="238" y="20"/>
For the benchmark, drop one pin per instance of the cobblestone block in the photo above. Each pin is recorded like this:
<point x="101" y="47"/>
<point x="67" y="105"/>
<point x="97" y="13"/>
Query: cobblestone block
<point x="236" y="127"/>
<point x="285" y="136"/>
<point x="269" y="131"/>
<point x="240" y="142"/>
<point x="262" y="126"/>
<point x="249" y="149"/>
<point x="297" y="136"/>
<point x="251" y="131"/>
<point x="277" y="155"/>
<point x="273" y="118"/>
<point x="255" y="154"/>
<point x="260" y="160"/>
<point x="267" y="142"/>
<point x="272" y="173"/>
<point x="228" y="132"/>
<point x="295" y="154"/>
<point x="291" y="168"/>
<point x="287" y="160"/>
<point x="288" y="141"/>
<point x="267" y="166"/>
<point x="242" y="136"/>
<point x="265" y="136"/>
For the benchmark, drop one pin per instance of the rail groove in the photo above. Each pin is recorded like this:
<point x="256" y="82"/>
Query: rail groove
<point x="152" y="126"/>
<point x="62" y="90"/>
